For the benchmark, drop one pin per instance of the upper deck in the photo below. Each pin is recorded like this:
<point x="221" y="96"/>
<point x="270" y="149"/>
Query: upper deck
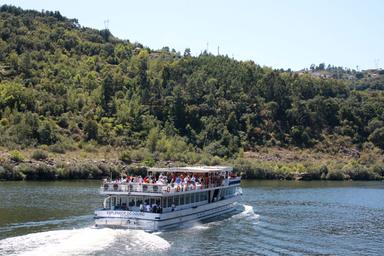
<point x="173" y="180"/>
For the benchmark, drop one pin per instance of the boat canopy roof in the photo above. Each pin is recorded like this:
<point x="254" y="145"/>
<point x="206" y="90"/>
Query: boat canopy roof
<point x="194" y="169"/>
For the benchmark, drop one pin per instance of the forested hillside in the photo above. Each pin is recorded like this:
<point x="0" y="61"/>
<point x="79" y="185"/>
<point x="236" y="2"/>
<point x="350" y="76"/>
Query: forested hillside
<point x="66" y="86"/>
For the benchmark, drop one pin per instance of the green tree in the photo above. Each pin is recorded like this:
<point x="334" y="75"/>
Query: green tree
<point x="377" y="137"/>
<point x="91" y="130"/>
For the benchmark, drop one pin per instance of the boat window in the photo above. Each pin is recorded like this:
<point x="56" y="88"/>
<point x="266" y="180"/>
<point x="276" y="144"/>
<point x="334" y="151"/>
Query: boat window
<point x="157" y="201"/>
<point x="187" y="198"/>
<point x="146" y="200"/>
<point x="170" y="201"/>
<point x="205" y="196"/>
<point x="193" y="198"/>
<point x="164" y="203"/>
<point x="139" y="201"/>
<point x="181" y="199"/>
<point x="176" y="200"/>
<point x="131" y="202"/>
<point x="152" y="201"/>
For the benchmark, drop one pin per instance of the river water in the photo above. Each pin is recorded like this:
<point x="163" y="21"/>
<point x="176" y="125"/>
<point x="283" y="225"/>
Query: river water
<point x="278" y="218"/>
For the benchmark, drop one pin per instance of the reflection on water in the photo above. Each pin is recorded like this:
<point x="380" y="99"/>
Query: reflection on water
<point x="278" y="218"/>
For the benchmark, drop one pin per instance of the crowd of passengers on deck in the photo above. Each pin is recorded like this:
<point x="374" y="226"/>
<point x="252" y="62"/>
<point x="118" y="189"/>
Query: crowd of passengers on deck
<point x="172" y="179"/>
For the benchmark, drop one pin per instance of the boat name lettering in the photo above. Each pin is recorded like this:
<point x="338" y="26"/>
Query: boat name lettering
<point x="124" y="213"/>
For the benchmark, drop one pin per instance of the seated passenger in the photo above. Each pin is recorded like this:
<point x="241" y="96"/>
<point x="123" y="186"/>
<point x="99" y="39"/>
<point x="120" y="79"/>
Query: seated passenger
<point x="148" y="208"/>
<point x="154" y="208"/>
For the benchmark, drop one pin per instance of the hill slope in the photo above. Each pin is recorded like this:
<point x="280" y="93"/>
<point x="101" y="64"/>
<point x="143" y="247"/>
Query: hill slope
<point x="67" y="86"/>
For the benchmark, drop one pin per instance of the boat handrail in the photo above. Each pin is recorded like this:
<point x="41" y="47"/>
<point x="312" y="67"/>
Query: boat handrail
<point x="154" y="188"/>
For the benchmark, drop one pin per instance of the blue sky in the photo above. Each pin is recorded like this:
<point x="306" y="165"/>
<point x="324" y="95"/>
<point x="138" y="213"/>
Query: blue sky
<point x="277" y="33"/>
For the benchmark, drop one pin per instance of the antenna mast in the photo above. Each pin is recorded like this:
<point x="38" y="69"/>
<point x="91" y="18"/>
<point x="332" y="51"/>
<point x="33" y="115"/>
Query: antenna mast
<point x="106" y="24"/>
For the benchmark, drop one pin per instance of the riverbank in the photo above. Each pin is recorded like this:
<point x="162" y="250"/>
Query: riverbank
<point x="264" y="163"/>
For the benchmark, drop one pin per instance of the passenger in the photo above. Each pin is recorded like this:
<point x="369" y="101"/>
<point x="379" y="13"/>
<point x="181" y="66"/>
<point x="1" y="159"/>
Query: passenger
<point x="178" y="180"/>
<point x="141" y="207"/>
<point x="148" y="208"/>
<point x="154" y="208"/>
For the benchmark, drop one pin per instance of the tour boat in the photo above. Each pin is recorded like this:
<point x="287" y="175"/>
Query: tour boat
<point x="168" y="198"/>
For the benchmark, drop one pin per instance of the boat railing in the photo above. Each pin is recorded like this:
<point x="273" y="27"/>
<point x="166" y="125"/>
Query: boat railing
<point x="153" y="188"/>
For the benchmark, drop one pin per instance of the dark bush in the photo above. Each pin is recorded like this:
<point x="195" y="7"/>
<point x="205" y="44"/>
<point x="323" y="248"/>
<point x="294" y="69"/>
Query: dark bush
<point x="379" y="171"/>
<point x="39" y="155"/>
<point x="315" y="173"/>
<point x="125" y="156"/>
<point x="74" y="171"/>
<point x="57" y="148"/>
<point x="38" y="172"/>
<point x="136" y="171"/>
<point x="336" y="175"/>
<point x="107" y="170"/>
<point x="16" y="156"/>
<point x="9" y="173"/>
<point x="362" y="173"/>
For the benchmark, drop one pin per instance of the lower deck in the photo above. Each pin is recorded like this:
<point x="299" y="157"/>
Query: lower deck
<point x="155" y="221"/>
<point x="166" y="203"/>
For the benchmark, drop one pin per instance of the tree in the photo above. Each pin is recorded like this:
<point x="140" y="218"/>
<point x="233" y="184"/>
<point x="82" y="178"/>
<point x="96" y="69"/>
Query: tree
<point x="107" y="94"/>
<point x="187" y="52"/>
<point x="377" y="137"/>
<point x="46" y="133"/>
<point x="91" y="130"/>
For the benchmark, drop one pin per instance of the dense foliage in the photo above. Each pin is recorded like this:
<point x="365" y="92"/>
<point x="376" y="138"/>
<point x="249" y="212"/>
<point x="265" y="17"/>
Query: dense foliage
<point x="64" y="85"/>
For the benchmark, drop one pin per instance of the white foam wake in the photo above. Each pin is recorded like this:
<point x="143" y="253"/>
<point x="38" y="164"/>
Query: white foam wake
<point x="78" y="242"/>
<point x="247" y="212"/>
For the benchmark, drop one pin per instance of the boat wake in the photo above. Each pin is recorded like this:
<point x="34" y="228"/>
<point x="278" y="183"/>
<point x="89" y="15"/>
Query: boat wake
<point x="248" y="212"/>
<point x="245" y="212"/>
<point x="80" y="241"/>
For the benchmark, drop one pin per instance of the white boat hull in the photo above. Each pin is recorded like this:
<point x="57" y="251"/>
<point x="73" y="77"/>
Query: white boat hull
<point x="155" y="221"/>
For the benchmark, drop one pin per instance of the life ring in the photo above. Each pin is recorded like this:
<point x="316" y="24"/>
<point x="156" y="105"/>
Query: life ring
<point x="168" y="189"/>
<point x="178" y="189"/>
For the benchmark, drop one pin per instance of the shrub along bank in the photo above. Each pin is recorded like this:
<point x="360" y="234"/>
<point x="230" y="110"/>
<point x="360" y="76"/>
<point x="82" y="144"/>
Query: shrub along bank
<point x="98" y="169"/>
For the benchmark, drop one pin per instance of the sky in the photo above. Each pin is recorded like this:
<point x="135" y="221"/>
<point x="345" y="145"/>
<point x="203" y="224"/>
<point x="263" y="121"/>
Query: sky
<point x="276" y="33"/>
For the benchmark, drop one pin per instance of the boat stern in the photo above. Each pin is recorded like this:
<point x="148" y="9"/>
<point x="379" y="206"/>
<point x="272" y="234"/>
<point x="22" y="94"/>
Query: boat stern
<point x="125" y="219"/>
